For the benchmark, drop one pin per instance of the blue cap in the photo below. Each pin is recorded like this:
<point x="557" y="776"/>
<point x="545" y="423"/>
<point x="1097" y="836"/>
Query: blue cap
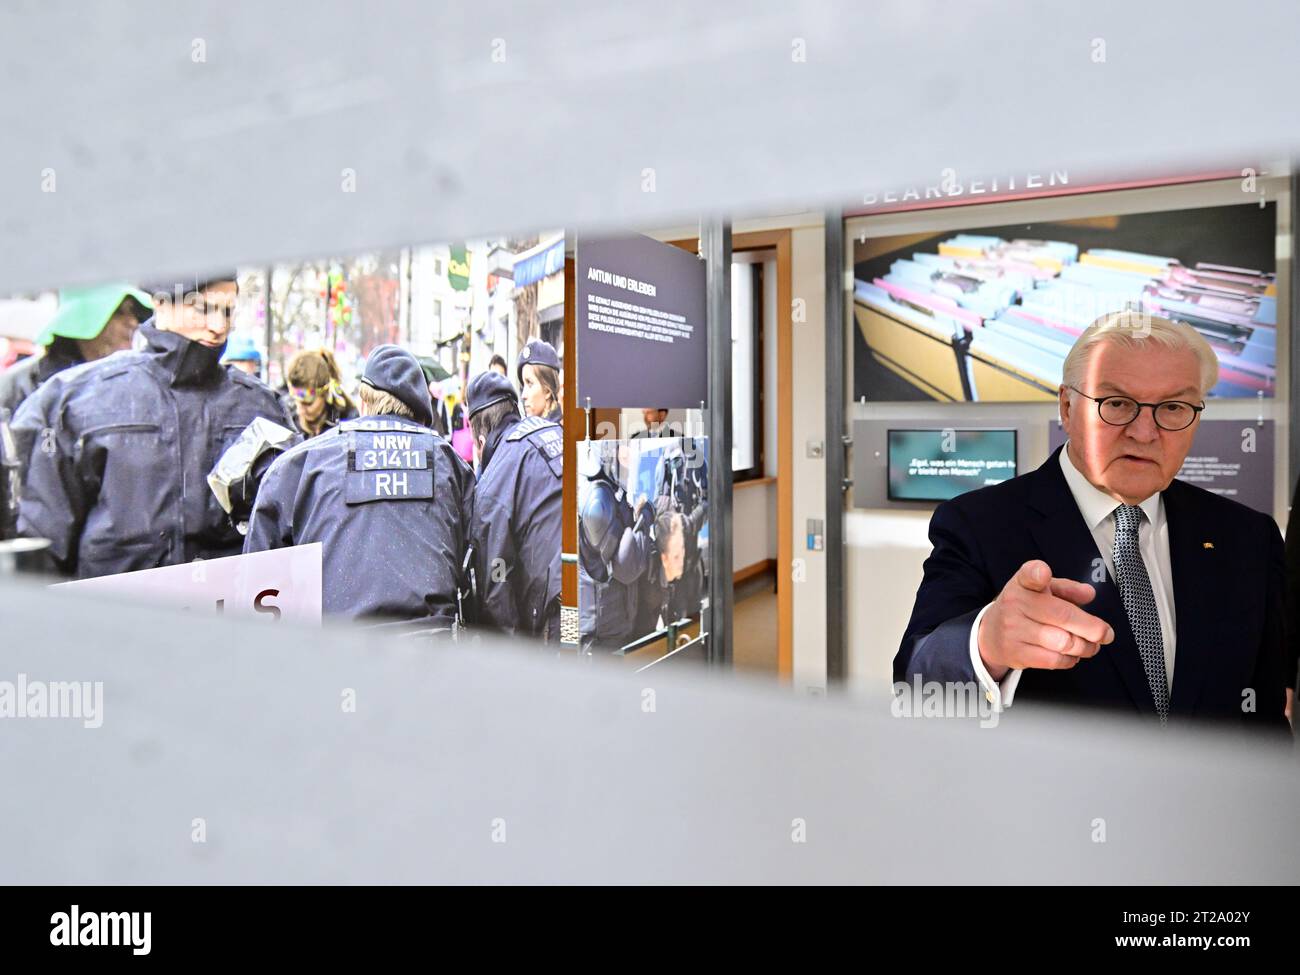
<point x="537" y="353"/>
<point x="393" y="370"/>
<point x="486" y="389"/>
<point x="242" y="348"/>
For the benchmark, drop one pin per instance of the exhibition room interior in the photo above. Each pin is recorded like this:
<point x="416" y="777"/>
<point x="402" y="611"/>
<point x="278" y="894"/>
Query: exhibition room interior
<point x="957" y="309"/>
<point x="866" y="343"/>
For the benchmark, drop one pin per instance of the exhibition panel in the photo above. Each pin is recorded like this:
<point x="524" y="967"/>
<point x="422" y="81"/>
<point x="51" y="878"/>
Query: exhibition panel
<point x="642" y="504"/>
<point x="1005" y="303"/>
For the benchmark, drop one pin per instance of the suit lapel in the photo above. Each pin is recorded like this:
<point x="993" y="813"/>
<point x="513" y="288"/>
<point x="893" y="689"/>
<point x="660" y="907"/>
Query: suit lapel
<point x="1067" y="546"/>
<point x="1196" y="594"/>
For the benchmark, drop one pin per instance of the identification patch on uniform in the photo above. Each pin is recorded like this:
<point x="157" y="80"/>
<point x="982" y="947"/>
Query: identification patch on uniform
<point x="389" y="466"/>
<point x="363" y="486"/>
<point x="546" y="436"/>
<point x="370" y="451"/>
<point x="551" y="444"/>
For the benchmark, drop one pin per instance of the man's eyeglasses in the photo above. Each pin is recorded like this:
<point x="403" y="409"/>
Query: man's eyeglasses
<point x="1120" y="411"/>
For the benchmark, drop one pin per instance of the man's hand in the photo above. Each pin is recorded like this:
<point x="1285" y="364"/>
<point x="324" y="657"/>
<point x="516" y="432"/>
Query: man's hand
<point x="643" y="515"/>
<point x="1036" y="622"/>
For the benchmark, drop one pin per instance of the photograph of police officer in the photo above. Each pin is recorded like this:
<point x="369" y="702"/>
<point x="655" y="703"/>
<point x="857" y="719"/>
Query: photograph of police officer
<point x="539" y="381"/>
<point x="517" y="511"/>
<point x="613" y="546"/>
<point x="387" y="498"/>
<point x="642" y="538"/>
<point x="120" y="447"/>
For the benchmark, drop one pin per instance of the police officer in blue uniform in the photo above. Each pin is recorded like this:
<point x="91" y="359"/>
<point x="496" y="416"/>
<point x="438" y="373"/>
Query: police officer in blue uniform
<point x="10" y="479"/>
<point x="118" y="449"/>
<point x="517" y="511"/>
<point x="613" y="555"/>
<point x="387" y="497"/>
<point x="539" y="381"/>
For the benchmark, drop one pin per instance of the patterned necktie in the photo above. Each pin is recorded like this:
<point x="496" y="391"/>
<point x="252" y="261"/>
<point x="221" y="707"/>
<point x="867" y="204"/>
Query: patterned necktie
<point x="1140" y="604"/>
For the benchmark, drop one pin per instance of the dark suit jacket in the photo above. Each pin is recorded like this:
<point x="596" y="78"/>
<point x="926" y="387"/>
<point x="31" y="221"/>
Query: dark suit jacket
<point x="1228" y="577"/>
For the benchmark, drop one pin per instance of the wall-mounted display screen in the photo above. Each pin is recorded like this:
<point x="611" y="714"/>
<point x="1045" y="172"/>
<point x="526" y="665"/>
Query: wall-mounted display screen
<point x="988" y="314"/>
<point x="936" y="465"/>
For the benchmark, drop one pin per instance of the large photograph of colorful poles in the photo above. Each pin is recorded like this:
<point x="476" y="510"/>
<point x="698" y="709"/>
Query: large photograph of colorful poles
<point x="989" y="314"/>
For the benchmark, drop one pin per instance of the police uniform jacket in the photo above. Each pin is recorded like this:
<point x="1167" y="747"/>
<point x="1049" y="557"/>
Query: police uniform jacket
<point x="608" y="592"/>
<point x="119" y="450"/>
<point x="516" y="532"/>
<point x="21" y="379"/>
<point x="389" y="501"/>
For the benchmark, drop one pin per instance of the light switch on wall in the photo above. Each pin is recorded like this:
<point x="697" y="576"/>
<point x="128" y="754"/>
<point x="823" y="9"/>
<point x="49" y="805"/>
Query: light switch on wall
<point x="816" y="534"/>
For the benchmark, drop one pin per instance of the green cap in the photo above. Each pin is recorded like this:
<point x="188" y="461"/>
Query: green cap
<point x="83" y="312"/>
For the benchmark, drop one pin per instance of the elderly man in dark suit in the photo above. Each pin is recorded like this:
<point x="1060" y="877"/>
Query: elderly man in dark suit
<point x="1099" y="579"/>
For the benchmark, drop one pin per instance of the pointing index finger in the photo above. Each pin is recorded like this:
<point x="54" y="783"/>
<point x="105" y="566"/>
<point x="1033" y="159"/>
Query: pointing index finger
<point x="1054" y="611"/>
<point x="1079" y="593"/>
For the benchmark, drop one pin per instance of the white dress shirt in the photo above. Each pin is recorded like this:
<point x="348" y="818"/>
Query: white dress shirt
<point x="1098" y="512"/>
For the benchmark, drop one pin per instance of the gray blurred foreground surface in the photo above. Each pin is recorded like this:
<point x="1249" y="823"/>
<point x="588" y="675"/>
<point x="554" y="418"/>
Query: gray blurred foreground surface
<point x="450" y="751"/>
<point x="149" y="136"/>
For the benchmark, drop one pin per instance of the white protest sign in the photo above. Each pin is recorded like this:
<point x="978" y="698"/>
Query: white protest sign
<point x="279" y="585"/>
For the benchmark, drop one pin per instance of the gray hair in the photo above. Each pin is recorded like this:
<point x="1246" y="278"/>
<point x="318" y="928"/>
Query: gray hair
<point x="1133" y="329"/>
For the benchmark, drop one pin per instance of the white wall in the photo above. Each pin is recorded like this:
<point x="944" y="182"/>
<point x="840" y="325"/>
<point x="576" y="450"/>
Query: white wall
<point x="753" y="514"/>
<point x="753" y="525"/>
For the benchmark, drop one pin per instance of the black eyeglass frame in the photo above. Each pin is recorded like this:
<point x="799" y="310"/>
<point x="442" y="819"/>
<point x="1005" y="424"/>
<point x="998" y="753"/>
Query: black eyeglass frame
<point x="1155" y="415"/>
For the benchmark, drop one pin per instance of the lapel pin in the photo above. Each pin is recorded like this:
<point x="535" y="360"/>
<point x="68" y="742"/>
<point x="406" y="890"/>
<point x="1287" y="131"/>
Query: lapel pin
<point x="1207" y="545"/>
